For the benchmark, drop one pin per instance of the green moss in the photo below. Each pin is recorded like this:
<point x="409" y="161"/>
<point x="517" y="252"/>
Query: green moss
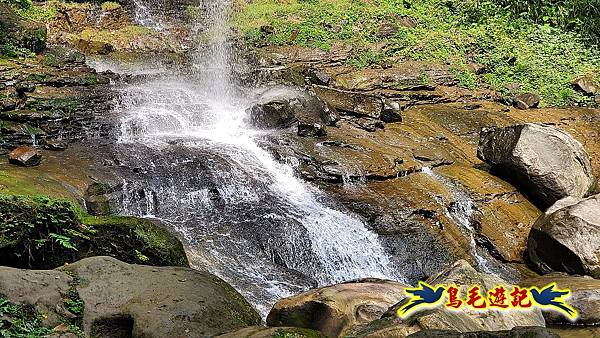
<point x="193" y="12"/>
<point x="43" y="232"/>
<point x="109" y="6"/>
<point x="541" y="58"/>
<point x="20" y="320"/>
<point x="64" y="106"/>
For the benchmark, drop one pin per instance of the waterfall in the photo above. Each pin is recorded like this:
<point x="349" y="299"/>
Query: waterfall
<point x="244" y="216"/>
<point x="461" y="211"/>
<point x="143" y="16"/>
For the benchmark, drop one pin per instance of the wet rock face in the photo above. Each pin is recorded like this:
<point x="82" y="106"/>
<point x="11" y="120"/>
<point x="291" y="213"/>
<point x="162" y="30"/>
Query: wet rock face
<point x="338" y="309"/>
<point x="585" y="297"/>
<point x="54" y="97"/>
<point x="20" y="32"/>
<point x="351" y="102"/>
<point x="567" y="238"/>
<point x="462" y="275"/>
<point x="104" y="198"/>
<point x="311" y="130"/>
<point x="545" y="162"/>
<point x="25" y="156"/>
<point x="125" y="300"/>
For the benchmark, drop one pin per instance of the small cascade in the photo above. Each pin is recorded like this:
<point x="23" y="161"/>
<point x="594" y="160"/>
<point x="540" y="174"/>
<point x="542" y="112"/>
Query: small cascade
<point x="144" y="17"/>
<point x="461" y="211"/>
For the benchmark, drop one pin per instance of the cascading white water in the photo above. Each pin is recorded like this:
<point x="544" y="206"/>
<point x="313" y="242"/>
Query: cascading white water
<point x="249" y="220"/>
<point x="461" y="212"/>
<point x="143" y="16"/>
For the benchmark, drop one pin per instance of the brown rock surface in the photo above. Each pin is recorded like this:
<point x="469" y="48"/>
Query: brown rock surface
<point x="338" y="309"/>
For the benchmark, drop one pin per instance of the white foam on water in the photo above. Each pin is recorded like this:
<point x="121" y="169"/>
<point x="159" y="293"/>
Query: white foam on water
<point x="208" y="112"/>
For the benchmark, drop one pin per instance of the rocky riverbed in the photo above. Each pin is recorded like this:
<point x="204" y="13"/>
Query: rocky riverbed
<point x="295" y="196"/>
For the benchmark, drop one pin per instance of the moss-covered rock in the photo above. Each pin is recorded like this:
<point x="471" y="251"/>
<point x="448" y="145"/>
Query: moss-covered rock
<point x="104" y="297"/>
<point x="16" y="31"/>
<point x="42" y="232"/>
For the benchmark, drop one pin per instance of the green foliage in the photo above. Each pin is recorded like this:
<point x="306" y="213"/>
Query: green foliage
<point x="37" y="12"/>
<point x="580" y="15"/>
<point x="296" y="333"/>
<point x="23" y="321"/>
<point x="64" y="241"/>
<point x="37" y="228"/>
<point x="541" y="58"/>
<point x="141" y="257"/>
<point x="109" y="6"/>
<point x="12" y="51"/>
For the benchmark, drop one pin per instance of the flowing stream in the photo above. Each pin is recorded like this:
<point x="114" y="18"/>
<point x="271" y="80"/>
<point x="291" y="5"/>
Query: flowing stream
<point x="244" y="216"/>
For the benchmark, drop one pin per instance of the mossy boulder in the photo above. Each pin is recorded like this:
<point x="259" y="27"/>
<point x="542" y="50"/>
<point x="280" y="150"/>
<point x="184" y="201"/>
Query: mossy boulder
<point x="41" y="232"/>
<point x="16" y="31"/>
<point x="105" y="297"/>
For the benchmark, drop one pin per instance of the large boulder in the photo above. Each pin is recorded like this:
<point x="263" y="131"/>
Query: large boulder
<point x="545" y="162"/>
<point x="116" y="299"/>
<point x="45" y="290"/>
<point x="526" y="101"/>
<point x="20" y="32"/>
<point x="585" y="84"/>
<point x="338" y="309"/>
<point x="157" y="302"/>
<point x="567" y="237"/>
<point x="466" y="320"/>
<point x="280" y="107"/>
<point x="585" y="297"/>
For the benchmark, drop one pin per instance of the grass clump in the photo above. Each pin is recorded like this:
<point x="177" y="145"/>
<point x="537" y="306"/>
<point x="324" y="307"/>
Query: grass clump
<point x="109" y="6"/>
<point x="38" y="12"/>
<point x="539" y="57"/>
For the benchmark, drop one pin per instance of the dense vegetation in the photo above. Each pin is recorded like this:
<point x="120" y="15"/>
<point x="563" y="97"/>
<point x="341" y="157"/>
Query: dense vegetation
<point x="518" y="46"/>
<point x="42" y="232"/>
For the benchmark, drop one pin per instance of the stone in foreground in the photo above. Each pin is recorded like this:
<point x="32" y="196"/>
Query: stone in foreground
<point x="543" y="161"/>
<point x="585" y="297"/>
<point x="466" y="320"/>
<point x="567" y="237"/>
<point x="517" y="332"/>
<point x="272" y="332"/>
<point x="125" y="300"/>
<point x="25" y="156"/>
<point x="338" y="309"/>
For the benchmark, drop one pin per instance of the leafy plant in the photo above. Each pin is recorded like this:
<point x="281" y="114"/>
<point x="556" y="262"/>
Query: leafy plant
<point x="63" y="240"/>
<point x="141" y="257"/>
<point x="23" y="321"/>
